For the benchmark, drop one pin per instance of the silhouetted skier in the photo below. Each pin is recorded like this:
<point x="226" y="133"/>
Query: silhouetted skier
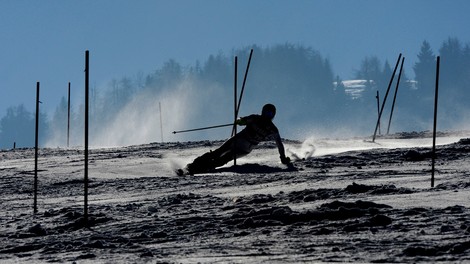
<point x="258" y="128"/>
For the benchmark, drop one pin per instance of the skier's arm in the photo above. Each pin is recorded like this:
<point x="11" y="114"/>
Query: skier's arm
<point x="280" y="147"/>
<point x="243" y="121"/>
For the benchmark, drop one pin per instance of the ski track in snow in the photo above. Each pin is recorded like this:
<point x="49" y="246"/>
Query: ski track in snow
<point x="347" y="200"/>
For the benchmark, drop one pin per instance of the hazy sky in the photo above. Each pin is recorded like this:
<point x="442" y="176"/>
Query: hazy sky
<point x="46" y="40"/>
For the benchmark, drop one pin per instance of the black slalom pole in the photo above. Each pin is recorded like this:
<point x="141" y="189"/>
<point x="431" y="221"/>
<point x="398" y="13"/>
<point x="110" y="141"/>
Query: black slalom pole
<point x="87" y="72"/>
<point x="235" y="112"/>
<point x="243" y="85"/>
<point x="161" y="120"/>
<point x="244" y="81"/>
<point x="68" y="118"/>
<point x="435" y="122"/>
<point x="378" y="107"/>
<point x="36" y="151"/>
<point x="395" y="95"/>
<point x="385" y="97"/>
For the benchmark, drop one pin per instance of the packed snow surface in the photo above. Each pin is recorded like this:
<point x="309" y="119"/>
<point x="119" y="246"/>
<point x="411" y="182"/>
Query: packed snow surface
<point x="344" y="200"/>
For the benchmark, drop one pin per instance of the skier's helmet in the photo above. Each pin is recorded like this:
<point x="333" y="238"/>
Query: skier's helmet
<point x="269" y="110"/>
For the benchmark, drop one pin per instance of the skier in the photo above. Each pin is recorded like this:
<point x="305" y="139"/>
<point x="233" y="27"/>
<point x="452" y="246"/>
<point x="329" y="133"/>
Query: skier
<point x="258" y="128"/>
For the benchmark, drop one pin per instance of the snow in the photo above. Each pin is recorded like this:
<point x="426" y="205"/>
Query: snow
<point x="355" y="88"/>
<point x="348" y="200"/>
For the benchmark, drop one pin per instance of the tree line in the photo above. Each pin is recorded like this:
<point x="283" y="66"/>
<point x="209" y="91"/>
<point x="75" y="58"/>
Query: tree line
<point x="298" y="79"/>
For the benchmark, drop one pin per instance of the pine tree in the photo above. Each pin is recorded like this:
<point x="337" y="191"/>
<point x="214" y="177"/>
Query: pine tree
<point x="370" y="70"/>
<point x="17" y="126"/>
<point x="425" y="70"/>
<point x="59" y="124"/>
<point x="452" y="64"/>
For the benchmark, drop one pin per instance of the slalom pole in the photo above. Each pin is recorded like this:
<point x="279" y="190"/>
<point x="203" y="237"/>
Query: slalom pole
<point x="36" y="151"/>
<point x="68" y="118"/>
<point x="435" y="122"/>
<point x="235" y="112"/>
<point x="243" y="85"/>
<point x="161" y="120"/>
<point x="385" y="98"/>
<point x="395" y="96"/>
<point x="378" y="107"/>
<point x="87" y="72"/>
<point x="244" y="81"/>
<point x="202" y="128"/>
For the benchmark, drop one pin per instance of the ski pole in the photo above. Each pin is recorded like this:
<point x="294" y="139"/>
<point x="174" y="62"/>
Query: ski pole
<point x="202" y="128"/>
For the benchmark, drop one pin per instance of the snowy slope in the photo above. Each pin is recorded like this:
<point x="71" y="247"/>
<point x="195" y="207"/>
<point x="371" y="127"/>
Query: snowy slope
<point x="348" y="200"/>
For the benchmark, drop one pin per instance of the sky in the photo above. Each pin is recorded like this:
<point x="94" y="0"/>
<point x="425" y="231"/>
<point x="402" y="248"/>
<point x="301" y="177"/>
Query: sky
<point x="46" y="40"/>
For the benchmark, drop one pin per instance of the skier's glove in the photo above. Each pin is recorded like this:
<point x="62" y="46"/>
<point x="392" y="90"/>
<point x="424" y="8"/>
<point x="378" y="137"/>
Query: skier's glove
<point x="241" y="122"/>
<point x="285" y="160"/>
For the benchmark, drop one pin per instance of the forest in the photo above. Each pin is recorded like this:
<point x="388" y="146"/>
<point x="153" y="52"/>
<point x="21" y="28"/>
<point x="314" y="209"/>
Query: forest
<point x="297" y="79"/>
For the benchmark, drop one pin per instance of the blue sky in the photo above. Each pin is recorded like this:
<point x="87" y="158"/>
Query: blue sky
<point x="46" y="40"/>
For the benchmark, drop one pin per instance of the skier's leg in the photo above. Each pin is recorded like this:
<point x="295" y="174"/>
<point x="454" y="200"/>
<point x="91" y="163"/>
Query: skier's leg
<point x="201" y="164"/>
<point x="209" y="160"/>
<point x="224" y="159"/>
<point x="226" y="150"/>
<point x="242" y="148"/>
<point x="226" y="147"/>
<point x="221" y="155"/>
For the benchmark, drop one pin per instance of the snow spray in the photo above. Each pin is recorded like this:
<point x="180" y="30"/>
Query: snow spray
<point x="306" y="150"/>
